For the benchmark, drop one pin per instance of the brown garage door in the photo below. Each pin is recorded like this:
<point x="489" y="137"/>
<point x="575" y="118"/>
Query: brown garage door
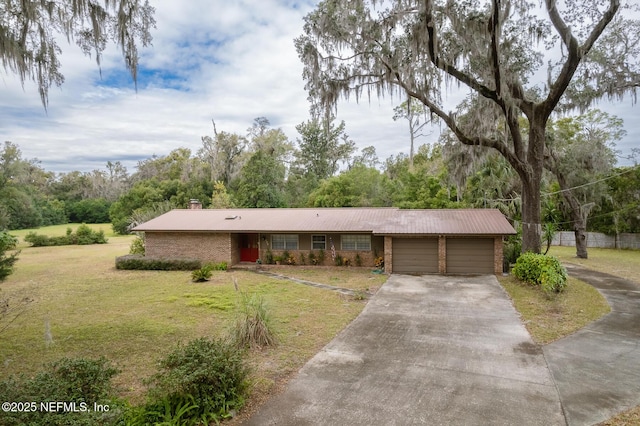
<point x="415" y="255"/>
<point x="470" y="256"/>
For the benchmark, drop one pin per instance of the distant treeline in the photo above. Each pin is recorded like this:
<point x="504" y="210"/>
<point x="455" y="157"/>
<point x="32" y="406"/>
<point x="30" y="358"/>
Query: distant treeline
<point x="322" y="168"/>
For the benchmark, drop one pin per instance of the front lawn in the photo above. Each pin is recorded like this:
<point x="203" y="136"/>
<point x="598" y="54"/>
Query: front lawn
<point x="621" y="263"/>
<point x="81" y="306"/>
<point x="549" y="319"/>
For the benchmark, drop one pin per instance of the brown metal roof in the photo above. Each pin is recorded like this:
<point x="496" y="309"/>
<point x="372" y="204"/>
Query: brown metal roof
<point x="447" y="222"/>
<point x="271" y="220"/>
<point x="381" y="221"/>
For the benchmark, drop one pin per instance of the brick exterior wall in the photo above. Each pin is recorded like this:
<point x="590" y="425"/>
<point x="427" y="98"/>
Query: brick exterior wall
<point x="204" y="246"/>
<point x="217" y="247"/>
<point x="442" y="255"/>
<point x="498" y="255"/>
<point x="388" y="254"/>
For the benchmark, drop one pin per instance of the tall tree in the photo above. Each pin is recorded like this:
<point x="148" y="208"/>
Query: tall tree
<point x="23" y="185"/>
<point x="223" y="154"/>
<point x="261" y="182"/>
<point x="492" y="48"/>
<point x="322" y="147"/>
<point x="220" y="199"/>
<point x="580" y="153"/>
<point x="30" y="30"/>
<point x="272" y="142"/>
<point x="360" y="186"/>
<point x="416" y="115"/>
<point x="619" y="210"/>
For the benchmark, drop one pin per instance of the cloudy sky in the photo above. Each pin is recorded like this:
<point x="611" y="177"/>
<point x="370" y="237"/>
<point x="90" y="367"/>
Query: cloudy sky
<point x="210" y="59"/>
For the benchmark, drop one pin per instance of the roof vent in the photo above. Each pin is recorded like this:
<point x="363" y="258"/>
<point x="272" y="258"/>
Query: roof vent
<point x="230" y="217"/>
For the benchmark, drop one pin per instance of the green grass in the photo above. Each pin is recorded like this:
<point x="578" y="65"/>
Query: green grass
<point x="551" y="319"/>
<point x="621" y="263"/>
<point x="135" y="317"/>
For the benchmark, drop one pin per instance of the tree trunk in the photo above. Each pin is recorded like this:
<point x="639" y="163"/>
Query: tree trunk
<point x="531" y="226"/>
<point x="531" y="177"/>
<point x="575" y="211"/>
<point x="581" y="241"/>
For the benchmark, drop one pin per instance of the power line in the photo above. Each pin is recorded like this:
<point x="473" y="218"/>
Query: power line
<point x="591" y="183"/>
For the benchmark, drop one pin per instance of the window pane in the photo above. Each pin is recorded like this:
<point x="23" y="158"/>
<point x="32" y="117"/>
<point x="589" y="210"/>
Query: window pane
<point x="284" y="242"/>
<point x="318" y="242"/>
<point x="277" y="242"/>
<point x="356" y="242"/>
<point x="291" y="242"/>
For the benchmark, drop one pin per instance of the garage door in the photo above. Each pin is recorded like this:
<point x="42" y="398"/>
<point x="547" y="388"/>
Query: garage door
<point x="415" y="255"/>
<point x="470" y="256"/>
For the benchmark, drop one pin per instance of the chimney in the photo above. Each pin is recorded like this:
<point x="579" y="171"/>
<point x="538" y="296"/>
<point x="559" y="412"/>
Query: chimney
<point x="195" y="204"/>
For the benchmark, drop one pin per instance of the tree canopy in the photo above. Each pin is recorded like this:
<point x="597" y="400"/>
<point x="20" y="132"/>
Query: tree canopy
<point x="30" y="30"/>
<point x="493" y="49"/>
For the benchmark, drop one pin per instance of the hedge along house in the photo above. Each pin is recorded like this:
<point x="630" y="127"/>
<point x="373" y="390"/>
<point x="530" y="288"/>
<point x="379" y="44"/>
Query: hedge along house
<point x="464" y="241"/>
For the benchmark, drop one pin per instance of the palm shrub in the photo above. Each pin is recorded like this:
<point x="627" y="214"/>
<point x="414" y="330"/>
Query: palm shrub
<point x="543" y="270"/>
<point x="202" y="274"/>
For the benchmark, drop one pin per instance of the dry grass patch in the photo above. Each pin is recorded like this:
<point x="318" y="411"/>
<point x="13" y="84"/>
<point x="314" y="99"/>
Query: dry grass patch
<point x="346" y="277"/>
<point x="628" y="418"/>
<point x="621" y="263"/>
<point x="549" y="319"/>
<point x="83" y="307"/>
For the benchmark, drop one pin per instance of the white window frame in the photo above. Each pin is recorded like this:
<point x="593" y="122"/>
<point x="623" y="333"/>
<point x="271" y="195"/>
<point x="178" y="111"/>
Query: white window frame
<point x="323" y="242"/>
<point x="289" y="241"/>
<point x="360" y="242"/>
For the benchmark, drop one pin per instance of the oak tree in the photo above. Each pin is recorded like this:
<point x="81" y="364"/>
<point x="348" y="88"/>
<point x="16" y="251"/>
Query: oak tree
<point x="30" y="31"/>
<point x="492" y="49"/>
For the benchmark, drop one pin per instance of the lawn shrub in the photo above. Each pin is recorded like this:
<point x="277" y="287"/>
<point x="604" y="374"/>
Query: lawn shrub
<point x="204" y="380"/>
<point x="268" y="258"/>
<point x="539" y="269"/>
<point x="202" y="274"/>
<point x="37" y="240"/>
<point x="221" y="266"/>
<point x="84" y="235"/>
<point x="79" y="382"/>
<point x="512" y="249"/>
<point x="7" y="261"/>
<point x="137" y="246"/>
<point x="144" y="263"/>
<point x="166" y="411"/>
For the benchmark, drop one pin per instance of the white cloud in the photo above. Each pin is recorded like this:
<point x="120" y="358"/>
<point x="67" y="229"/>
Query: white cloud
<point x="228" y="61"/>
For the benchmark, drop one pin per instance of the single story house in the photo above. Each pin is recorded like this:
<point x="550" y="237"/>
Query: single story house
<point x="454" y="241"/>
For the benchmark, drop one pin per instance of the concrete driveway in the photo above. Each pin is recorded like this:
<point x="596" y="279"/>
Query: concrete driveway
<point x="597" y="369"/>
<point x="425" y="350"/>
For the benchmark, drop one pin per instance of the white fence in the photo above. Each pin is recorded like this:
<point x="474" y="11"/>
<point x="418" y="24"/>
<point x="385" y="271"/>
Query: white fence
<point x="599" y="240"/>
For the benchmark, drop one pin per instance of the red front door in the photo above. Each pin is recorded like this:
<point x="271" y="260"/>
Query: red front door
<point x="249" y="247"/>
